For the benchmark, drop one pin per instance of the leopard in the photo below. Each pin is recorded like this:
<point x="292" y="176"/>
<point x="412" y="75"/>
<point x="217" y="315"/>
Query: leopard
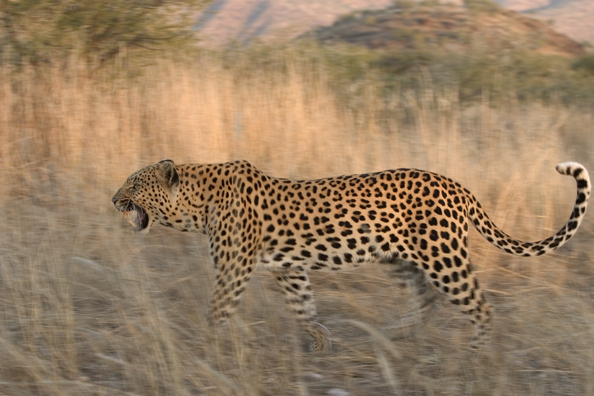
<point x="414" y="223"/>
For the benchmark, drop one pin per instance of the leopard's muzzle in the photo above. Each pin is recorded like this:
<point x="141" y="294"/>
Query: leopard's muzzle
<point x="134" y="213"/>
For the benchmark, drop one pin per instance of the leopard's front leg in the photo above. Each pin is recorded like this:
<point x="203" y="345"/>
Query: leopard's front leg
<point x="299" y="298"/>
<point x="232" y="246"/>
<point x="231" y="281"/>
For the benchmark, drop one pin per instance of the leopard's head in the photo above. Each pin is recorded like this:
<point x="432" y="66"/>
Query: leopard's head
<point x="148" y="195"/>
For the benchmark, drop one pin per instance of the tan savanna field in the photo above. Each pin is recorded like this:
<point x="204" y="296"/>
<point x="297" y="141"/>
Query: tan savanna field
<point x="89" y="308"/>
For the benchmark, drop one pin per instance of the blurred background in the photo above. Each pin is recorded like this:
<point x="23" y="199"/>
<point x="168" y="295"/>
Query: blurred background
<point x="492" y="94"/>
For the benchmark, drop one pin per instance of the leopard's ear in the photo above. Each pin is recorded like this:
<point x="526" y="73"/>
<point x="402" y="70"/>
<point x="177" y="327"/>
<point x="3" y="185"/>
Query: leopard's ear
<point x="167" y="174"/>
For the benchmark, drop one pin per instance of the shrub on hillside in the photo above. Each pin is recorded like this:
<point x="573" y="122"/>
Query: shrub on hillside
<point x="585" y="63"/>
<point x="39" y="30"/>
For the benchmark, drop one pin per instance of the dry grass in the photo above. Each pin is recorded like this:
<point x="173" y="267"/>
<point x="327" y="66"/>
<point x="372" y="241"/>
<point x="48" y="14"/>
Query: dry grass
<point x="89" y="308"/>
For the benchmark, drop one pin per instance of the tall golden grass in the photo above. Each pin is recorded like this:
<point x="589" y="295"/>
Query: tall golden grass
<point x="89" y="308"/>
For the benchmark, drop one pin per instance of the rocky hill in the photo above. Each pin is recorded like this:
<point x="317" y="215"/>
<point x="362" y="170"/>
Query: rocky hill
<point x="243" y="20"/>
<point x="447" y="27"/>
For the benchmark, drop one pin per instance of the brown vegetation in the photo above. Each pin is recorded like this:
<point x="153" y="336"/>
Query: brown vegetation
<point x="89" y="308"/>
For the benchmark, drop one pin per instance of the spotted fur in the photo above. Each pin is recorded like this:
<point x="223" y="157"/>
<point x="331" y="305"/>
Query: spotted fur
<point x="412" y="221"/>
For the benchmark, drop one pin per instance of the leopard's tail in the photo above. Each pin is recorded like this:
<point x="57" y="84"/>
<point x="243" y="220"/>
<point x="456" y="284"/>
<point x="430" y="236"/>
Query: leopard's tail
<point x="520" y="248"/>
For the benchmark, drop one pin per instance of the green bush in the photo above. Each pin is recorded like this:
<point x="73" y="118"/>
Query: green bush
<point x="403" y="4"/>
<point x="430" y="3"/>
<point x="585" y="63"/>
<point x="488" y="6"/>
<point x="504" y="73"/>
<point x="39" y="30"/>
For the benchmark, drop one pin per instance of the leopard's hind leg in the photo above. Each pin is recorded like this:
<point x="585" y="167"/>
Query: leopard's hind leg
<point x="458" y="283"/>
<point x="407" y="275"/>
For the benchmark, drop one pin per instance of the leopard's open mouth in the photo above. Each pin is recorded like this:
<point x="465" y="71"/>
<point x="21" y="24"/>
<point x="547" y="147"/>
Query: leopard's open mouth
<point x="136" y="216"/>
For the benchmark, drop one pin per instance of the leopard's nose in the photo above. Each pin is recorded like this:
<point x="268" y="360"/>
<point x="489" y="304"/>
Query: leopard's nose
<point x="114" y="200"/>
